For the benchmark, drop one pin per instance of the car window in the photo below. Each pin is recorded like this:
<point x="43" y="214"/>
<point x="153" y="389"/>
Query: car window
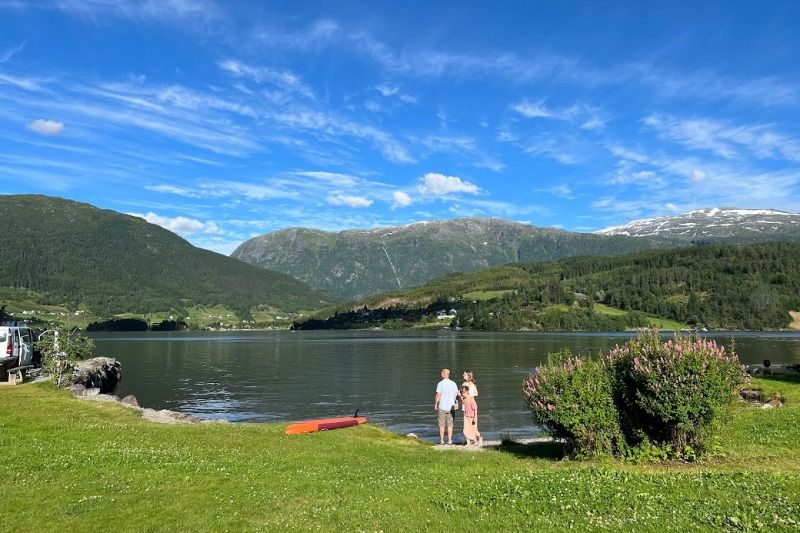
<point x="3" y="336"/>
<point x="26" y="335"/>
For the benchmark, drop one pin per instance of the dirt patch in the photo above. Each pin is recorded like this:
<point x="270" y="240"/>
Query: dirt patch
<point x="795" y="325"/>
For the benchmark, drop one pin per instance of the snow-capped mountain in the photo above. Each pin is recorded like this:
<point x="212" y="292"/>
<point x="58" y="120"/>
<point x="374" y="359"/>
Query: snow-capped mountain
<point x="717" y="224"/>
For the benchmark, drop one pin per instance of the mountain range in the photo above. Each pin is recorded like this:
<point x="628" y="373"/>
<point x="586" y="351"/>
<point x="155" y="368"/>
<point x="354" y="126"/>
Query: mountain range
<point x="77" y="255"/>
<point x="358" y="263"/>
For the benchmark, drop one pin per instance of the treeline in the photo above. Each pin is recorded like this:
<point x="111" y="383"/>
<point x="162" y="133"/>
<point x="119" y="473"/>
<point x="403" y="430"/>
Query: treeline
<point x="739" y="287"/>
<point x="714" y="286"/>
<point x="135" y="324"/>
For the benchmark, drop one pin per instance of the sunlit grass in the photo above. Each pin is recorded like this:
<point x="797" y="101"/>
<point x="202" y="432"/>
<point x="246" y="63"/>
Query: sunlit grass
<point x="67" y="463"/>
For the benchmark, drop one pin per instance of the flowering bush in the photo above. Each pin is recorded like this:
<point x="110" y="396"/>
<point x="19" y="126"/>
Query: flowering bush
<point x="572" y="397"/>
<point x="671" y="391"/>
<point x="659" y="395"/>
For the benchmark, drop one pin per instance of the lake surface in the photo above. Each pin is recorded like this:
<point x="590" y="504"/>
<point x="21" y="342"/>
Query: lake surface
<point x="389" y="375"/>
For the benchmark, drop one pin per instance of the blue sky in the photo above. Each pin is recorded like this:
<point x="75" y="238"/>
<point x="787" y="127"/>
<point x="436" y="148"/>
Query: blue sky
<point x="225" y="120"/>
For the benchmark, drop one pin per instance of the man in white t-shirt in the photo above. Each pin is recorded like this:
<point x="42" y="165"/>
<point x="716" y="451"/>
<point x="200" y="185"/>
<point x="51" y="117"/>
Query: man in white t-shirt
<point x="446" y="395"/>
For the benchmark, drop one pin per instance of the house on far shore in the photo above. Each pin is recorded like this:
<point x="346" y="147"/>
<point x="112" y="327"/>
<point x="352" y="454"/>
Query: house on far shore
<point x="580" y="296"/>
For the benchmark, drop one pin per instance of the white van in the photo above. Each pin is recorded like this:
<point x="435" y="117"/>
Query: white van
<point x="16" y="346"/>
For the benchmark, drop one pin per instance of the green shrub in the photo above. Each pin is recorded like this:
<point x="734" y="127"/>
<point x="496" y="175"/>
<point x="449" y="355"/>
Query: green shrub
<point x="572" y="397"/>
<point x="60" y="350"/>
<point x="671" y="392"/>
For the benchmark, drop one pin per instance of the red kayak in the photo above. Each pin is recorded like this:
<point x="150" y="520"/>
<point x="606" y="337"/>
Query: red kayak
<point x="324" y="424"/>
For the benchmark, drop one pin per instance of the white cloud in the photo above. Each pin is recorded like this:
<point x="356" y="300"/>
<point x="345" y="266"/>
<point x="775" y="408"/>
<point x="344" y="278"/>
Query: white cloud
<point x="400" y="199"/>
<point x="435" y="184"/>
<point x="46" y="127"/>
<point x="179" y="224"/>
<point x="349" y="200"/>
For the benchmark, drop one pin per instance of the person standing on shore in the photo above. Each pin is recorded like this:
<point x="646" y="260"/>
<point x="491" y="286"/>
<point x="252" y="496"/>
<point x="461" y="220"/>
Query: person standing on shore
<point x="469" y="381"/>
<point x="445" y="405"/>
<point x="471" y="432"/>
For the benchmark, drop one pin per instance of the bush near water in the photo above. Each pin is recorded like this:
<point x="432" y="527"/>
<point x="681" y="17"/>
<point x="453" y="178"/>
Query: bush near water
<point x="647" y="392"/>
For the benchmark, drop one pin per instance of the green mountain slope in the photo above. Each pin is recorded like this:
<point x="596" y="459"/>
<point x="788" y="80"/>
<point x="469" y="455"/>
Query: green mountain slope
<point x="719" y="286"/>
<point x="355" y="264"/>
<point x="77" y="254"/>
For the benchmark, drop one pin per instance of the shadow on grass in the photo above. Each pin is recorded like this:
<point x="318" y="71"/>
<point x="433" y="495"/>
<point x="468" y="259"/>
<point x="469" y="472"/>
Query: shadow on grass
<point x="534" y="450"/>
<point x="794" y="379"/>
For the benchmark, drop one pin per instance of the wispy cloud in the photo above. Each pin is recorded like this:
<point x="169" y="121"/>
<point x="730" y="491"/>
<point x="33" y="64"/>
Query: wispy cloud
<point x="587" y="117"/>
<point x="283" y="79"/>
<point x="11" y="52"/>
<point x="317" y="34"/>
<point x="142" y="10"/>
<point x="20" y="82"/>
<point x="725" y="139"/>
<point x="460" y="146"/>
<point x="393" y="91"/>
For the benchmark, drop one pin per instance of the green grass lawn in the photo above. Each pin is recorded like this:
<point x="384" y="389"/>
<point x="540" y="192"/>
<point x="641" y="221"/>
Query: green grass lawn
<point x="68" y="465"/>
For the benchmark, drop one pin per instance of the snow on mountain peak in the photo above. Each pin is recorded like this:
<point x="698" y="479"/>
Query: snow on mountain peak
<point x="717" y="222"/>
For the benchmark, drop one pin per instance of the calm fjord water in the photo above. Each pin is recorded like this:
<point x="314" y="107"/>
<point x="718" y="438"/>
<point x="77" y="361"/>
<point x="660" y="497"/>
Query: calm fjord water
<point x="389" y="375"/>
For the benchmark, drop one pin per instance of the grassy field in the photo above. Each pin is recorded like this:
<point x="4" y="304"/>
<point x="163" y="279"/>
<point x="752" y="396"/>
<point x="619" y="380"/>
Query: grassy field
<point x="66" y="464"/>
<point x="656" y="322"/>
<point x="485" y="295"/>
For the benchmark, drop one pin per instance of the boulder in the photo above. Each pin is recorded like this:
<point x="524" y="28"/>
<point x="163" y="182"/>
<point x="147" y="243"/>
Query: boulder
<point x="101" y="373"/>
<point x="165" y="416"/>
<point x="130" y="399"/>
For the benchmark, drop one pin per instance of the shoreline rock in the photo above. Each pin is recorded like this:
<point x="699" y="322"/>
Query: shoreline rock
<point x="159" y="416"/>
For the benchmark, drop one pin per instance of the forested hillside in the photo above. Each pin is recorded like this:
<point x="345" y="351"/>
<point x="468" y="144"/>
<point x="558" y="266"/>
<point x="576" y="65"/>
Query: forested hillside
<point x="81" y="256"/>
<point x="717" y="286"/>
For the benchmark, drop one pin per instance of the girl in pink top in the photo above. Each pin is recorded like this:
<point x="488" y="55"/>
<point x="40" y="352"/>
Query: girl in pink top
<point x="470" y="417"/>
